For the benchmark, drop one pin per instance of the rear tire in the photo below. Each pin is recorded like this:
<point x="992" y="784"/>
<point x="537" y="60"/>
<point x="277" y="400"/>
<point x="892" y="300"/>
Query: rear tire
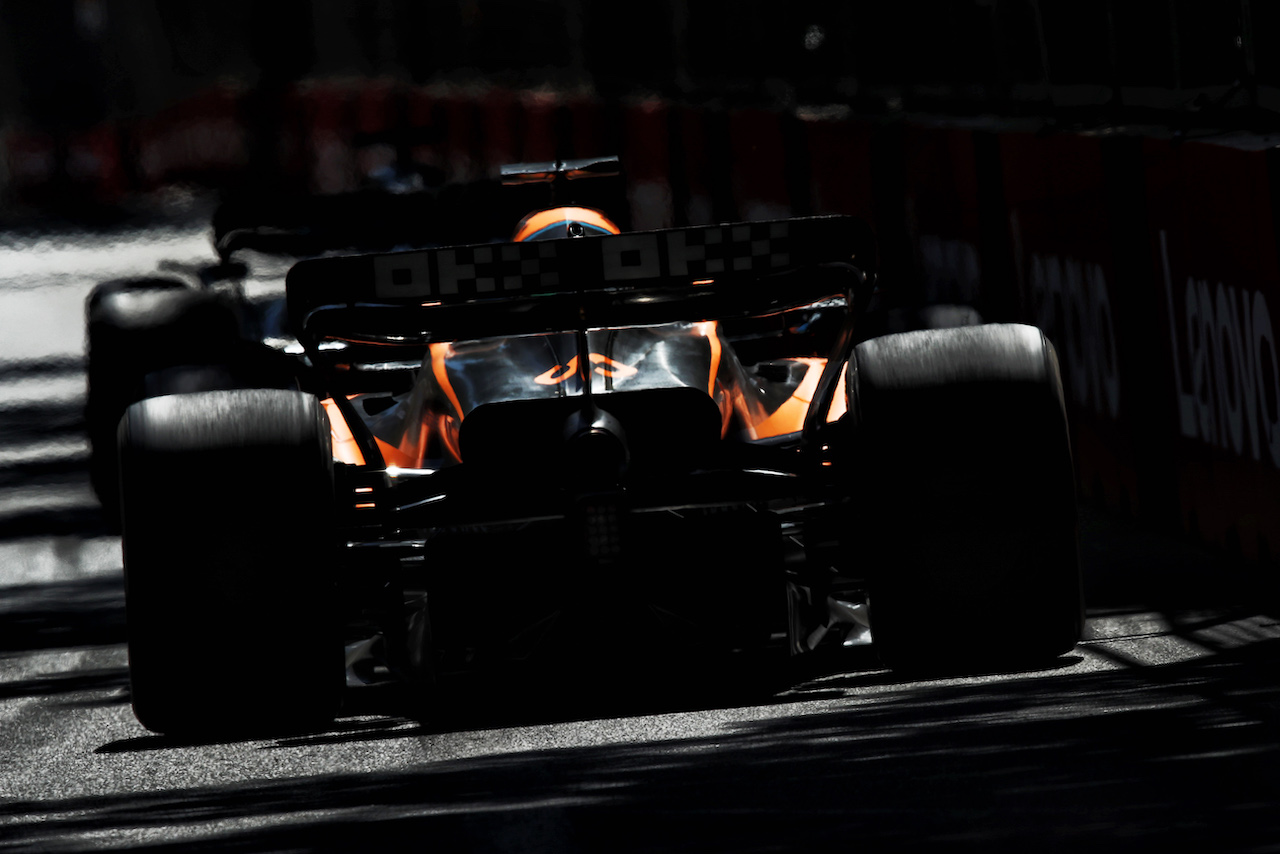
<point x="227" y="507"/>
<point x="965" y="491"/>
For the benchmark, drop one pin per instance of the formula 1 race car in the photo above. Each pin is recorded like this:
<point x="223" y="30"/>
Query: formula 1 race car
<point x="590" y="445"/>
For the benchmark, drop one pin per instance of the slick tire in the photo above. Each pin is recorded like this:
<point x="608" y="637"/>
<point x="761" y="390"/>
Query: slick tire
<point x="227" y="506"/>
<point x="135" y="327"/>
<point x="964" y="493"/>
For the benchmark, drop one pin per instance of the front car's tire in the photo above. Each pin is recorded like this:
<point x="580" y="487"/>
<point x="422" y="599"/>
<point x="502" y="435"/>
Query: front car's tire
<point x="965" y="499"/>
<point x="227" y="508"/>
<point x="134" y="327"/>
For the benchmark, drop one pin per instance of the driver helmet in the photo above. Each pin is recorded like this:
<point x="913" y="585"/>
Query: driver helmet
<point x="564" y="222"/>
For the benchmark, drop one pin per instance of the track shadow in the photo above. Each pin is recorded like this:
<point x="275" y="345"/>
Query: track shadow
<point x="62" y="614"/>
<point x="63" y="470"/>
<point x="44" y="368"/>
<point x="86" y="521"/>
<point x="342" y="731"/>
<point x="1179" y="756"/>
<point x="37" y="420"/>
<point x="113" y="680"/>
<point x="531" y="696"/>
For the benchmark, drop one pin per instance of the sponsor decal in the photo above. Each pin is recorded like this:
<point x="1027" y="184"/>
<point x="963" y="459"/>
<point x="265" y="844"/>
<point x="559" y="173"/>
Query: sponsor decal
<point x="470" y="271"/>
<point x="1224" y="365"/>
<point x="1070" y="301"/>
<point x="604" y="366"/>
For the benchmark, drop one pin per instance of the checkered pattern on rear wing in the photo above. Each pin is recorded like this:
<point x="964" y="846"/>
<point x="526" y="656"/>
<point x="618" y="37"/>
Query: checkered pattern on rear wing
<point x="663" y="261"/>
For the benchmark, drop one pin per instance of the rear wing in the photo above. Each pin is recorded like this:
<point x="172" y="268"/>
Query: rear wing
<point x="558" y="171"/>
<point x="558" y="285"/>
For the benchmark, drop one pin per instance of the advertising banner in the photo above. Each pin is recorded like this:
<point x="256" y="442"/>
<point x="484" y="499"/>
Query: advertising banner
<point x="1213" y="245"/>
<point x="1068" y="284"/>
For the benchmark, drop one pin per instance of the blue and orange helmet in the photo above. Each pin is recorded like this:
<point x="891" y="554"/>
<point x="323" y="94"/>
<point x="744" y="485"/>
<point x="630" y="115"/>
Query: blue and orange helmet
<point x="564" y="222"/>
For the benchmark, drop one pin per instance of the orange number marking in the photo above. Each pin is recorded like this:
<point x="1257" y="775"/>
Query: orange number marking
<point x="604" y="366"/>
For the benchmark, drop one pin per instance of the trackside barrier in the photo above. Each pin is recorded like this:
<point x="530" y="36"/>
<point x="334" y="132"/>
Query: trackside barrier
<point x="1152" y="265"/>
<point x="425" y="137"/>
<point x="87" y="165"/>
<point x="328" y="151"/>
<point x="694" y="168"/>
<point x="30" y="162"/>
<point x="646" y="155"/>
<point x="374" y="109"/>
<point x="591" y="129"/>
<point x="292" y="142"/>
<point x="1068" y="283"/>
<point x="940" y="187"/>
<point x="758" y="157"/>
<point x="94" y="162"/>
<point x="1212" y="241"/>
<point x="501" y="119"/>
<point x="4" y="166"/>
<point x="840" y="179"/>
<point x="456" y="120"/>
<point x="202" y="139"/>
<point x="539" y="131"/>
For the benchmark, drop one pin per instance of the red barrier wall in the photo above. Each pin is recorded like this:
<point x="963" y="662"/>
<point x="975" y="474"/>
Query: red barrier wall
<point x="646" y="155"/>
<point x="840" y="179"/>
<point x="1067" y="284"/>
<point x="1213" y="244"/>
<point x="941" y="194"/>
<point x="758" y="161"/>
<point x="1152" y="265"/>
<point x="203" y="139"/>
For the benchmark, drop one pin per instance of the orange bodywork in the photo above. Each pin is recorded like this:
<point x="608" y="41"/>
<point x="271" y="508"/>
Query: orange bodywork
<point x="442" y="427"/>
<point x="449" y="433"/>
<point x="345" y="448"/>
<point x="789" y="417"/>
<point x="710" y="330"/>
<point x="604" y="366"/>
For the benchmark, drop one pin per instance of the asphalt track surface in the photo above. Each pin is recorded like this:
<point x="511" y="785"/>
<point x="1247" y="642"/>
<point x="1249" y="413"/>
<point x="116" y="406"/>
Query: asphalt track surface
<point x="1162" y="729"/>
